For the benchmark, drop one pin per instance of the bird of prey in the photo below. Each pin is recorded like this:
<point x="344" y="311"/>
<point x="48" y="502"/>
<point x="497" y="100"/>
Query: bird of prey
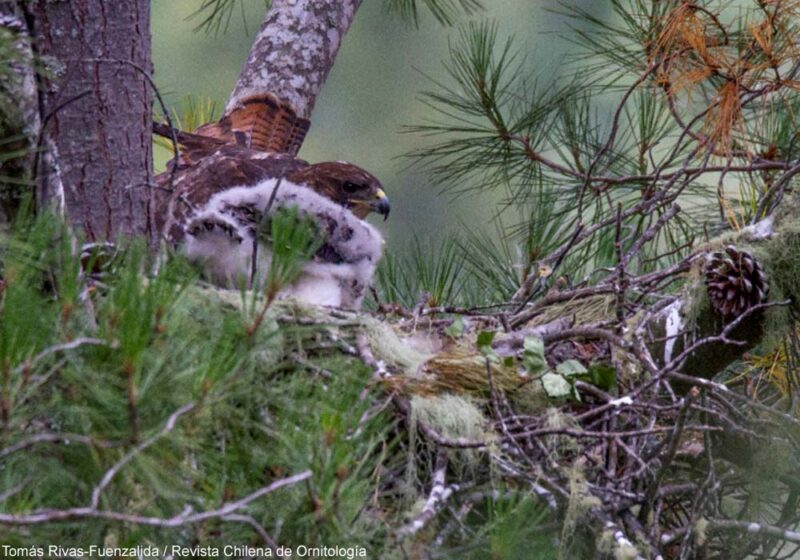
<point x="235" y="174"/>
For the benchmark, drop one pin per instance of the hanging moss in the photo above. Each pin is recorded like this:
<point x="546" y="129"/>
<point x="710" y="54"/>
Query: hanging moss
<point x="696" y="303"/>
<point x="559" y="445"/>
<point x="581" y="501"/>
<point x="776" y="246"/>
<point x="454" y="417"/>
<point x="389" y="347"/>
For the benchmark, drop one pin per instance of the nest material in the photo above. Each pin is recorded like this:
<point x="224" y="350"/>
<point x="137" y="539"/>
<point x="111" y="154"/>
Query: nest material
<point x="458" y="371"/>
<point x="735" y="282"/>
<point x="579" y="311"/>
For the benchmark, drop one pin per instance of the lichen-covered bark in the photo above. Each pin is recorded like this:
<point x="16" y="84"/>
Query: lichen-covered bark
<point x="96" y="102"/>
<point x="775" y="242"/>
<point x="294" y="51"/>
<point x="675" y="330"/>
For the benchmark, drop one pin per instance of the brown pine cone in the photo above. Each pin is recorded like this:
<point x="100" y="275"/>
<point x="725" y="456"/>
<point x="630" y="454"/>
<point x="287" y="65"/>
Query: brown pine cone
<point x="735" y="282"/>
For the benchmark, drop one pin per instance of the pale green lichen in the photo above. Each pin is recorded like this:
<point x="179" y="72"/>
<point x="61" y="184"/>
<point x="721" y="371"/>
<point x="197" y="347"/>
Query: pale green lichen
<point x="696" y="302"/>
<point x="626" y="552"/>
<point x="453" y="417"/>
<point x="701" y="531"/>
<point x="393" y="350"/>
<point x="781" y="262"/>
<point x="581" y="502"/>
<point x="209" y="308"/>
<point x="779" y="256"/>
<point x="558" y="444"/>
<point x="608" y="545"/>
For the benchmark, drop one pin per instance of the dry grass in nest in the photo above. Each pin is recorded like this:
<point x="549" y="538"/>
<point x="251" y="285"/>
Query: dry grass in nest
<point x="581" y="311"/>
<point x="459" y="371"/>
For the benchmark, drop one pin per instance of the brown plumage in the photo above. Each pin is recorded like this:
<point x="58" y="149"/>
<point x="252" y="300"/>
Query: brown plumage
<point x="230" y="179"/>
<point x="257" y="140"/>
<point x="346" y="184"/>
<point x="260" y="122"/>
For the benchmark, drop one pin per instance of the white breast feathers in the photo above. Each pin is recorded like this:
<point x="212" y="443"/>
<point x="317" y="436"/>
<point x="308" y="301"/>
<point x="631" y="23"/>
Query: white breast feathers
<point x="220" y="237"/>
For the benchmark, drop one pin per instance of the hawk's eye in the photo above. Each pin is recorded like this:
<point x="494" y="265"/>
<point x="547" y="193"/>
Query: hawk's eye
<point x="351" y="188"/>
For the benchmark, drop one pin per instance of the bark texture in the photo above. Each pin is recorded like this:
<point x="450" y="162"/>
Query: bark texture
<point x="294" y="51"/>
<point x="97" y="103"/>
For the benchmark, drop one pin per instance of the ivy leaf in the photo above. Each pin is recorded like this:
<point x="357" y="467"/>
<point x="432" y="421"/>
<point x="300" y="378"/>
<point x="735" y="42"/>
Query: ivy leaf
<point x="456" y="328"/>
<point x="533" y="355"/>
<point x="603" y="376"/>
<point x="571" y="368"/>
<point x="555" y="385"/>
<point x="485" y="338"/>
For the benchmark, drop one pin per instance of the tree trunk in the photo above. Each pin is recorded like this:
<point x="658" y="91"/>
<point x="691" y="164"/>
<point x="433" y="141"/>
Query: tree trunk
<point x="294" y="51"/>
<point x="96" y="104"/>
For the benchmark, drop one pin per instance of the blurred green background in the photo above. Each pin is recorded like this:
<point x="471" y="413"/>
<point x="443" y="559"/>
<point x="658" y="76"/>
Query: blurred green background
<point x="370" y="94"/>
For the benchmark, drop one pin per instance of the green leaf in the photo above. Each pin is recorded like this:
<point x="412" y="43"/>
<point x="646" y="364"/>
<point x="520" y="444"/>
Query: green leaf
<point x="456" y="328"/>
<point x="555" y="385"/>
<point x="485" y="338"/>
<point x="571" y="368"/>
<point x="484" y="344"/>
<point x="533" y="355"/>
<point x="603" y="376"/>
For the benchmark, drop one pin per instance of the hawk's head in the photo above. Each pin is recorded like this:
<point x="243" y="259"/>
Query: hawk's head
<point x="347" y="185"/>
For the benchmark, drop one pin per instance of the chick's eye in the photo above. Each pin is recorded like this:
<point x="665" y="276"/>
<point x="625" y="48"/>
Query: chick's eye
<point x="350" y="188"/>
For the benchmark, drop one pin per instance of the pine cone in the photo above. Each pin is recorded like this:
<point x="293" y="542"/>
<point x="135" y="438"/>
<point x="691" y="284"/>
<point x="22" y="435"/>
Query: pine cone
<point x="735" y="282"/>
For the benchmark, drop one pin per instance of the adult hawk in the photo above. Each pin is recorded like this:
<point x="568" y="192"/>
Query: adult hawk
<point x="234" y="174"/>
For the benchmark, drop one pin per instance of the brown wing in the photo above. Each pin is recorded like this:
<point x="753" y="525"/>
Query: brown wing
<point x="194" y="184"/>
<point x="260" y="122"/>
<point x="256" y="140"/>
<point x="193" y="147"/>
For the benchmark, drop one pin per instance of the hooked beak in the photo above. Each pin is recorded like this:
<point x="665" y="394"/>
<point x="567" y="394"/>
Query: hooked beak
<point x="381" y="204"/>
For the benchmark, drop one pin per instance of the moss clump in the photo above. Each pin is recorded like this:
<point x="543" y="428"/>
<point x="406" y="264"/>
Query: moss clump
<point x="388" y="346"/>
<point x="203" y="310"/>
<point x="781" y="261"/>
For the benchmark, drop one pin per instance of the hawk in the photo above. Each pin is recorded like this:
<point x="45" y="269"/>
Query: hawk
<point x="231" y="176"/>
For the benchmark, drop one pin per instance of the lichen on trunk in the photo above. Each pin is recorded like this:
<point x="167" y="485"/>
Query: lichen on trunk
<point x="692" y="318"/>
<point x="294" y="51"/>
